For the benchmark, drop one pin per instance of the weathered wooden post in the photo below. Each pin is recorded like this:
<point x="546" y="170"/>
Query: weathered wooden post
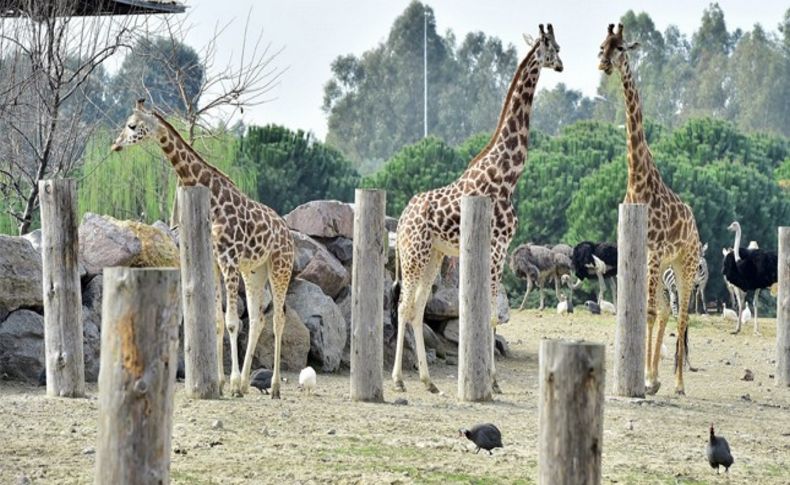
<point x="201" y="375"/>
<point x="629" y="347"/>
<point x="783" y="310"/>
<point x="475" y="335"/>
<point x="570" y="410"/>
<point x="65" y="364"/>
<point x="141" y="311"/>
<point x="367" y="296"/>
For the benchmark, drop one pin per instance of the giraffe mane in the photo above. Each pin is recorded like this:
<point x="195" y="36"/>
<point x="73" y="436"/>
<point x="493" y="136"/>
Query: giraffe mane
<point x="189" y="148"/>
<point x="503" y="113"/>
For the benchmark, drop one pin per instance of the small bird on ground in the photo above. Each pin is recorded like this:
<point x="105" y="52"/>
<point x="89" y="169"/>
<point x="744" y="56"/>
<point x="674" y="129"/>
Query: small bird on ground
<point x="307" y="379"/>
<point x="562" y="306"/>
<point x="718" y="452"/>
<point x="607" y="307"/>
<point x="261" y="379"/>
<point x="485" y="436"/>
<point x="594" y="308"/>
<point x="729" y="313"/>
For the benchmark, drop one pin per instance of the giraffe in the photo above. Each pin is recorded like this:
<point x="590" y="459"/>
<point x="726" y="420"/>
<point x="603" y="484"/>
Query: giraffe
<point x="672" y="237"/>
<point x="249" y="240"/>
<point x="429" y="226"/>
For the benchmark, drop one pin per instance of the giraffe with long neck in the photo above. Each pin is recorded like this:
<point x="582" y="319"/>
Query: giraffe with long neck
<point x="429" y="226"/>
<point x="672" y="237"/>
<point x="249" y="240"/>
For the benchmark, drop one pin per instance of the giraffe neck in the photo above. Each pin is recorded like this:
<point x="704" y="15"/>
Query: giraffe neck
<point x="640" y="161"/>
<point x="505" y="154"/>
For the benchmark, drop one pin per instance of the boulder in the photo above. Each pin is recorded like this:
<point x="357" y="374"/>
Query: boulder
<point x="306" y="247"/>
<point x="20" y="275"/>
<point x="22" y="345"/>
<point x="341" y="247"/>
<point x="390" y="342"/>
<point x="35" y="239"/>
<point x="91" y="326"/>
<point x="105" y="241"/>
<point x="501" y="346"/>
<point x="450" y="331"/>
<point x="327" y="272"/>
<point x="295" y="343"/>
<point x="324" y="320"/>
<point x="163" y="227"/>
<point x="502" y="306"/>
<point x="443" y="304"/>
<point x="323" y="218"/>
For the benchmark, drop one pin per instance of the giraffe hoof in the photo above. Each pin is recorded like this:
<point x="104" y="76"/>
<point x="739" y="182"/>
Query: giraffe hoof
<point x="432" y="388"/>
<point x="495" y="388"/>
<point x="237" y="393"/>
<point x="275" y="393"/>
<point x="399" y="386"/>
<point x="652" y="389"/>
<point x="680" y="392"/>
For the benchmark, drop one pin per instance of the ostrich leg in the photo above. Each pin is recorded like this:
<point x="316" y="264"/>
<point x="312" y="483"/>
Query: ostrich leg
<point x="756" y="324"/>
<point x="739" y="297"/>
<point x="601" y="286"/>
<point x="526" y="293"/>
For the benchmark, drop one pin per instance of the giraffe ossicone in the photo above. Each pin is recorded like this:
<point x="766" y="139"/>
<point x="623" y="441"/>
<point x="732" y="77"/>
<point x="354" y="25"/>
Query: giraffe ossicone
<point x="249" y="241"/>
<point x="429" y="226"/>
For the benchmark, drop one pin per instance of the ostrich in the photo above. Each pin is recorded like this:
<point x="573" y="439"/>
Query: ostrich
<point x="596" y="259"/>
<point x="528" y="259"/>
<point x="749" y="269"/>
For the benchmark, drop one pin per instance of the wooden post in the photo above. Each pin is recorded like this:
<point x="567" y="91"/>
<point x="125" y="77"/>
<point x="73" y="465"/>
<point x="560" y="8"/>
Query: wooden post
<point x="63" y="344"/>
<point x="367" y="296"/>
<point x="629" y="347"/>
<point x="201" y="375"/>
<point x="141" y="311"/>
<point x="783" y="310"/>
<point x="572" y="377"/>
<point x="474" y="336"/>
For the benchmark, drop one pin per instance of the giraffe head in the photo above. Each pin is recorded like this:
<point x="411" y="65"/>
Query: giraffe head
<point x="547" y="51"/>
<point x="613" y="50"/>
<point x="141" y="124"/>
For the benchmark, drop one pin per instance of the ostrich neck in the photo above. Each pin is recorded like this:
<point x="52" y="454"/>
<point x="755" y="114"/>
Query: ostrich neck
<point x="737" y="246"/>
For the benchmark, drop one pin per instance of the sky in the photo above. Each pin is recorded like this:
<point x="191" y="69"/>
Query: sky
<point x="312" y="33"/>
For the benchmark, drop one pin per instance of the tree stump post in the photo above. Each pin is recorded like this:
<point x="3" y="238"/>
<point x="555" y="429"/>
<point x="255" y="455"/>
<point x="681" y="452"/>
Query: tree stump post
<point x="629" y="347"/>
<point x="63" y="344"/>
<point x="572" y="379"/>
<point x="475" y="335"/>
<point x="367" y="296"/>
<point x="783" y="310"/>
<point x="141" y="311"/>
<point x="201" y="375"/>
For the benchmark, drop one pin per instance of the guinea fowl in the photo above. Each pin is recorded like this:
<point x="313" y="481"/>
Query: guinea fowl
<point x="485" y="436"/>
<point x="261" y="379"/>
<point x="594" y="308"/>
<point x="718" y="452"/>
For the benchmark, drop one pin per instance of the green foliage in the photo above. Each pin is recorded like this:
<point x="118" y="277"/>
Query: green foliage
<point x="294" y="168"/>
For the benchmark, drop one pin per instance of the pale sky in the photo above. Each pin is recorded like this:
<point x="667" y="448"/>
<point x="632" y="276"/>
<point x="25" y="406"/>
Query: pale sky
<point x="312" y="33"/>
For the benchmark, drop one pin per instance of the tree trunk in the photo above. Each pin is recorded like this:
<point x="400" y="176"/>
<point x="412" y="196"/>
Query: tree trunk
<point x="63" y="343"/>
<point x="783" y="310"/>
<point x="629" y="347"/>
<point x="367" y="296"/>
<point x="140" y="315"/>
<point x="570" y="410"/>
<point x="201" y="378"/>
<point x="475" y="335"/>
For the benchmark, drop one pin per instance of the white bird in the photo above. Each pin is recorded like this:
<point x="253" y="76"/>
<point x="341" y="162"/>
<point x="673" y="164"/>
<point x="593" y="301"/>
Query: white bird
<point x="607" y="307"/>
<point x="562" y="306"/>
<point x="746" y="314"/>
<point x="307" y="379"/>
<point x="729" y="314"/>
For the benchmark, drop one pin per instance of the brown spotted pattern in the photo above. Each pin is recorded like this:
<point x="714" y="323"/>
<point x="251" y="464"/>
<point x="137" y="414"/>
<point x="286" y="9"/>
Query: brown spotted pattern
<point x="249" y="239"/>
<point x="429" y="226"/>
<point x="672" y="237"/>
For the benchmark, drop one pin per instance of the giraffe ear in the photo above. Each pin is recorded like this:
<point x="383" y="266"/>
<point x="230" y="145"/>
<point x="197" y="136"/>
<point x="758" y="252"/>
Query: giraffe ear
<point x="529" y="40"/>
<point x="139" y="105"/>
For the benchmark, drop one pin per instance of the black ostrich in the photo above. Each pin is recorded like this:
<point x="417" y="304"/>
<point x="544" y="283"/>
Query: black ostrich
<point x="596" y="260"/>
<point x="749" y="269"/>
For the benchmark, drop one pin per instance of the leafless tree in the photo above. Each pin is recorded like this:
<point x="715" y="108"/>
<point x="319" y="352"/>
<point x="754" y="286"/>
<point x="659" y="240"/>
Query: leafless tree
<point x="49" y="61"/>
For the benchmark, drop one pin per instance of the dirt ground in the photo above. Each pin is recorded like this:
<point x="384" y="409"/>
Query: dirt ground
<point x="325" y="438"/>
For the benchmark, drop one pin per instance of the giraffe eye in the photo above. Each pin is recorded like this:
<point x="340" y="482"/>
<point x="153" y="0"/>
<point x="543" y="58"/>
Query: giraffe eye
<point x="132" y="127"/>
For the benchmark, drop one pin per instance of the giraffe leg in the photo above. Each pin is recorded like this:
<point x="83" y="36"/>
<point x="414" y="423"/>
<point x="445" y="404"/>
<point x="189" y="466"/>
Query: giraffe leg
<point x="219" y="316"/>
<point x="685" y="285"/>
<point x="664" y="311"/>
<point x="526" y="294"/>
<point x="279" y="279"/>
<point x="232" y="322"/>
<point x="405" y="307"/>
<point x="497" y="262"/>
<point x="651" y="380"/>
<point x="254" y="287"/>
<point x="756" y="324"/>
<point x="423" y="292"/>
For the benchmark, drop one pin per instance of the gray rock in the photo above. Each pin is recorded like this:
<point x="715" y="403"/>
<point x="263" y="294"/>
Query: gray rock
<point x="22" y="345"/>
<point x="390" y="342"/>
<point x="502" y="306"/>
<point x="166" y="230"/>
<point x="430" y="338"/>
<point x="341" y="247"/>
<point x="295" y="343"/>
<point x="91" y="326"/>
<point x="323" y="218"/>
<point x="391" y="224"/>
<point x="502" y="346"/>
<point x="324" y="320"/>
<point x="20" y="275"/>
<point x="35" y="239"/>
<point x="450" y="331"/>
<point x="306" y="247"/>
<point x="327" y="272"/>
<point x="103" y="243"/>
<point x="443" y="305"/>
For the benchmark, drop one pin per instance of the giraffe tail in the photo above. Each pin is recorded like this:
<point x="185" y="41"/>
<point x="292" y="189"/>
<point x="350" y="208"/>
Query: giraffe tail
<point x="395" y="291"/>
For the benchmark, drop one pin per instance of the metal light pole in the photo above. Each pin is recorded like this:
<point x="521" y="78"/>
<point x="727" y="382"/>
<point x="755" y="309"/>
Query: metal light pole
<point x="425" y="73"/>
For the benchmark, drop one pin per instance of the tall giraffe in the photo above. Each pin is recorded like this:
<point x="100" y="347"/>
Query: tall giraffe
<point x="249" y="239"/>
<point x="430" y="224"/>
<point x="672" y="238"/>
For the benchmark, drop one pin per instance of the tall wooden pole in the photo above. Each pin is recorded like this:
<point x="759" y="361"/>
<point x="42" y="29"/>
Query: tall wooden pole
<point x="141" y="311"/>
<point x="570" y="412"/>
<point x="201" y="375"/>
<point x="367" y="296"/>
<point x="629" y="347"/>
<point x="63" y="344"/>
<point x="475" y="335"/>
<point x="783" y="310"/>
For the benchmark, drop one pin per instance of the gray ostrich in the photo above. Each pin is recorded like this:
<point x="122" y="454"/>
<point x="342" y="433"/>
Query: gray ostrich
<point x="537" y="264"/>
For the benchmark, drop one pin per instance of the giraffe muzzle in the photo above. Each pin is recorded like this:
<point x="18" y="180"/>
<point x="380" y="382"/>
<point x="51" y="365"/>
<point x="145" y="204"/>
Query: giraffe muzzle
<point x="116" y="147"/>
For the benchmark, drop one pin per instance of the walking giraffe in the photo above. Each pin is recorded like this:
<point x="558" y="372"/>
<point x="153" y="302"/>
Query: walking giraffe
<point x="248" y="239"/>
<point x="429" y="226"/>
<point x="672" y="238"/>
